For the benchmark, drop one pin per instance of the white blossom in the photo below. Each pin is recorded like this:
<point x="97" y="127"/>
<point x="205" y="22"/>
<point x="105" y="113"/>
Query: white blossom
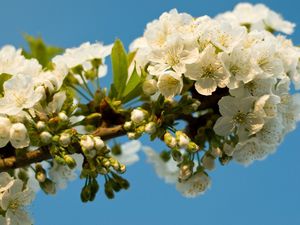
<point x="158" y="32"/>
<point x="195" y="185"/>
<point x="257" y="17"/>
<point x="173" y="56"/>
<point x="238" y="116"/>
<point x="19" y="94"/>
<point x="82" y="55"/>
<point x="207" y="72"/>
<point x="170" y="84"/>
<point x="13" y="62"/>
<point x="226" y="37"/>
<point x="168" y="171"/>
<point x="238" y="66"/>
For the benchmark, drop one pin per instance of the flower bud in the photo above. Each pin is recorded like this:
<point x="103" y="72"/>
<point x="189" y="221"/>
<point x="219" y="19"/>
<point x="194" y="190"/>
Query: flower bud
<point x="192" y="147"/>
<point x="63" y="117"/>
<point x="40" y="173"/>
<point x="99" y="143"/>
<point x="150" y="87"/>
<point x="40" y="176"/>
<point x="18" y="136"/>
<point x="114" y="163"/>
<point x="150" y="128"/>
<point x="128" y="125"/>
<point x="137" y="116"/>
<point x="70" y="161"/>
<point x="182" y="139"/>
<point x="169" y="140"/>
<point x="85" y="194"/>
<point x="109" y="190"/>
<point x="140" y="130"/>
<point x="132" y="135"/>
<point x="185" y="172"/>
<point x="65" y="139"/>
<point x="196" y="105"/>
<point x="48" y="187"/>
<point x="87" y="142"/>
<point x="41" y="125"/>
<point x="122" y="168"/>
<point x="106" y="163"/>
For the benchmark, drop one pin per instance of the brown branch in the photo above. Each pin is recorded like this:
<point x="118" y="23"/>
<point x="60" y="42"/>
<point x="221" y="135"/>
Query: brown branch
<point x="42" y="154"/>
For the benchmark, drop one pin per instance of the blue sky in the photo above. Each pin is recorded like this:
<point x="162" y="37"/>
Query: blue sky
<point x="266" y="192"/>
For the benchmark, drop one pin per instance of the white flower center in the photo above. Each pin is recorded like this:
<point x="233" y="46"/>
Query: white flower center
<point x="172" y="58"/>
<point x="20" y="100"/>
<point x="240" y="118"/>
<point x="14" y="204"/>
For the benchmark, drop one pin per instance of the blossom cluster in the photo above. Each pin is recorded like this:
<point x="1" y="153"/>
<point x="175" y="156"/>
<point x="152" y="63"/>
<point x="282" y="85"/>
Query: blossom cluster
<point x="239" y="53"/>
<point x="242" y="59"/>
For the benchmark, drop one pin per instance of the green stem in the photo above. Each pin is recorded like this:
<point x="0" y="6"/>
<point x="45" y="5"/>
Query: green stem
<point x="86" y="86"/>
<point x="80" y="92"/>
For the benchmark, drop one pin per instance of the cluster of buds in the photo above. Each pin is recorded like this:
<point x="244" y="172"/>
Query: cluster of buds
<point x="115" y="183"/>
<point x="180" y="141"/>
<point x="140" y="122"/>
<point x="98" y="160"/>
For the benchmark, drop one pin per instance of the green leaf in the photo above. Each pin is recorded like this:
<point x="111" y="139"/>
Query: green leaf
<point x="130" y="57"/>
<point x="134" y="80"/>
<point x="113" y="93"/>
<point x="3" y="77"/>
<point x="120" y="67"/>
<point x="39" y="50"/>
<point x="136" y="92"/>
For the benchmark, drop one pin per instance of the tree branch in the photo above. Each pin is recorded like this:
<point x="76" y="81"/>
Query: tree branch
<point x="42" y="154"/>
